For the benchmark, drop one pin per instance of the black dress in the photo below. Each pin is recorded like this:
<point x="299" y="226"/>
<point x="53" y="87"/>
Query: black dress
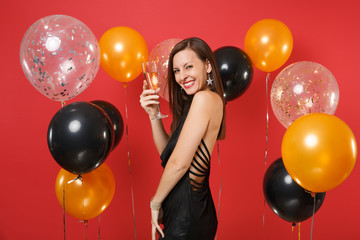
<point x="189" y="211"/>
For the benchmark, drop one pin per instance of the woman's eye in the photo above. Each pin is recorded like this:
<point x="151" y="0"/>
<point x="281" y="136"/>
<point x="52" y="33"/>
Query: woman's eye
<point x="175" y="71"/>
<point x="188" y="67"/>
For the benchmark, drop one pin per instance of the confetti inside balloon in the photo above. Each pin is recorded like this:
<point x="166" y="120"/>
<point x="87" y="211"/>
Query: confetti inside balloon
<point x="160" y="54"/>
<point x="60" y="56"/>
<point x="302" y="88"/>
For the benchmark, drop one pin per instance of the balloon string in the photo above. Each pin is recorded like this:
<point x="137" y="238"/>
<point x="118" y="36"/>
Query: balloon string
<point x="266" y="142"/>
<point x="127" y="131"/>
<point x="99" y="225"/>
<point x="78" y="177"/>
<point x="299" y="230"/>
<point x="133" y="208"/>
<point x="267" y="117"/>
<point x="86" y="225"/>
<point x="83" y="205"/>
<point x="64" y="211"/>
<point x="312" y="218"/>
<point x="264" y="208"/>
<point x="264" y="219"/>
<point x="218" y="154"/>
<point x="292" y="229"/>
<point x="83" y="202"/>
<point x="63" y="103"/>
<point x="128" y="155"/>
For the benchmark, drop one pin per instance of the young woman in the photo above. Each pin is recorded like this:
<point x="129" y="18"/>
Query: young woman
<point x="197" y="104"/>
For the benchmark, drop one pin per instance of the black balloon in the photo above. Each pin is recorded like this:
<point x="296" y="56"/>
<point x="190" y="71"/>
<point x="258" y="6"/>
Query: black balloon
<point x="236" y="71"/>
<point x="285" y="197"/>
<point x="80" y="137"/>
<point x="115" y="117"/>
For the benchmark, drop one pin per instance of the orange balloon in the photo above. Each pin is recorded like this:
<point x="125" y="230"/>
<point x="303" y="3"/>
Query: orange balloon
<point x="269" y="44"/>
<point x="122" y="50"/>
<point x="86" y="198"/>
<point x="319" y="151"/>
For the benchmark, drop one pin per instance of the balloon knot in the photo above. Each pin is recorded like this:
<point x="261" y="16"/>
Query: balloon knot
<point x="77" y="178"/>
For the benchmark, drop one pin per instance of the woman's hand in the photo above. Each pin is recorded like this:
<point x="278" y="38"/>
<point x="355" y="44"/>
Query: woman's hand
<point x="155" y="224"/>
<point x="149" y="100"/>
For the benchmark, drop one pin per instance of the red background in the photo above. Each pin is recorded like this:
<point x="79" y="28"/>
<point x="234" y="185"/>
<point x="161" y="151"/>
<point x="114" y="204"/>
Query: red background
<point x="326" y="32"/>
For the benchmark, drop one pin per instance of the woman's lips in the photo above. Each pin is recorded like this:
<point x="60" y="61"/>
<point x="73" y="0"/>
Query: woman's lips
<point x="189" y="84"/>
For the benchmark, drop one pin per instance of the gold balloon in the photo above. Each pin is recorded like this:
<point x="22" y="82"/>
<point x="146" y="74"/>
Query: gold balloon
<point x="319" y="151"/>
<point x="268" y="43"/>
<point x="86" y="198"/>
<point x="122" y="50"/>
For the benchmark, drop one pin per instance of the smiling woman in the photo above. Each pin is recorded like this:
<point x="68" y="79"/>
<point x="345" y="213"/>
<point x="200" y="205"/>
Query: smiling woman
<point x="190" y="71"/>
<point x="196" y="95"/>
<point x="179" y="101"/>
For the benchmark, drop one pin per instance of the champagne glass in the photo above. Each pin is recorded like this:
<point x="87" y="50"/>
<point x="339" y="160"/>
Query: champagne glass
<point x="151" y="76"/>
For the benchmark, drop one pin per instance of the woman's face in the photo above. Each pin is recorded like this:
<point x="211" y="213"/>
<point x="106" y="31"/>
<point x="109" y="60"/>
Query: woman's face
<point x="190" y="71"/>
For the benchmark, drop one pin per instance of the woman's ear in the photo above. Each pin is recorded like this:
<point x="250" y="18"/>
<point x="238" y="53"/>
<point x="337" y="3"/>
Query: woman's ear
<point x="208" y="66"/>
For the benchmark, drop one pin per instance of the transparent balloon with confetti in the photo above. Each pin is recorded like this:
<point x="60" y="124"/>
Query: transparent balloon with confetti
<point x="160" y="54"/>
<point x="60" y="56"/>
<point x="302" y="88"/>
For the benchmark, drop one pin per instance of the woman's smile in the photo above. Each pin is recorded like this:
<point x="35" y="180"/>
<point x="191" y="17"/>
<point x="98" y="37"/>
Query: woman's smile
<point x="189" y="84"/>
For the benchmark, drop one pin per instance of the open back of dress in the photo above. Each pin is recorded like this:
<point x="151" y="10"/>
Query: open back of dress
<point x="189" y="211"/>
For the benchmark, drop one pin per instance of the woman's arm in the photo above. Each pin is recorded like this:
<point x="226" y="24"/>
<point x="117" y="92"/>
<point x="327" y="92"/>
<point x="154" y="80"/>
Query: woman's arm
<point x="149" y="101"/>
<point x="204" y="118"/>
<point x="160" y="136"/>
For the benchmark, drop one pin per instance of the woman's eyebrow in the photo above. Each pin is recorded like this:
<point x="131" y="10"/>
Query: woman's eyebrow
<point x="189" y="62"/>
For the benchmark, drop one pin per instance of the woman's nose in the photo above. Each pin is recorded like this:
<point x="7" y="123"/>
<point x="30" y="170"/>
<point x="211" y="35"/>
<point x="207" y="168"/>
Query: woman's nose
<point x="182" y="75"/>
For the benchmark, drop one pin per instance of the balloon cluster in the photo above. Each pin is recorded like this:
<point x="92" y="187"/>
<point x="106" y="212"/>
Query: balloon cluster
<point x="80" y="137"/>
<point x="318" y="153"/>
<point x="318" y="149"/>
<point x="60" y="56"/>
<point x="268" y="45"/>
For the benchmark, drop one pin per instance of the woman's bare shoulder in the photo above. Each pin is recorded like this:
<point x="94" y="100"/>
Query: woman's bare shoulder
<point x="208" y="99"/>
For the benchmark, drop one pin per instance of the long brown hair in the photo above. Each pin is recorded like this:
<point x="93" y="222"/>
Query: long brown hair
<point x="179" y="101"/>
